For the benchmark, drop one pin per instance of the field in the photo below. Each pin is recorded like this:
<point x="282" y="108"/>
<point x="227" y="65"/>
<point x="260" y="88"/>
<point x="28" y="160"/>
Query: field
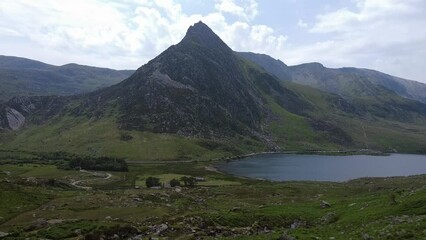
<point x="42" y="201"/>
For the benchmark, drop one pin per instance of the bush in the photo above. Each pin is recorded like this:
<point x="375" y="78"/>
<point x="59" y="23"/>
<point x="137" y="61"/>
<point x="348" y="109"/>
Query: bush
<point x="152" y="182"/>
<point x="188" y="181"/>
<point x="174" y="183"/>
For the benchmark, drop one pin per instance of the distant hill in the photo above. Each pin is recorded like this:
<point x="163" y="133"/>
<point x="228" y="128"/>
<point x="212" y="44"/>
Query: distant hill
<point x="200" y="100"/>
<point x="25" y="77"/>
<point x="347" y="82"/>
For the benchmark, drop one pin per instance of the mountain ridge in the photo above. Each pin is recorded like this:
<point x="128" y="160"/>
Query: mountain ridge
<point x="26" y="77"/>
<point x="333" y="79"/>
<point x="200" y="99"/>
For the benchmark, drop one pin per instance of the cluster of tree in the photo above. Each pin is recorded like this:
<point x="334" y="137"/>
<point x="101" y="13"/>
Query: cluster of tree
<point x="152" y="182"/>
<point x="101" y="163"/>
<point x="188" y="181"/>
<point x="155" y="182"/>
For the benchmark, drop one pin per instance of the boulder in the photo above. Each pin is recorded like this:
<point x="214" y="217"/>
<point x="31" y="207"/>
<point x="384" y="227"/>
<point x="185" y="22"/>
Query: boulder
<point x="325" y="204"/>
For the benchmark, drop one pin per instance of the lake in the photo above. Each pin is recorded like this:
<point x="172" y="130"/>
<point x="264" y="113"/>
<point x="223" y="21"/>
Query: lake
<point x="298" y="167"/>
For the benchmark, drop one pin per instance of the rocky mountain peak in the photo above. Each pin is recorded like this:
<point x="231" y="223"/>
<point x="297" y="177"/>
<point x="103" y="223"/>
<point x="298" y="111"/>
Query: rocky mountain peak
<point x="200" y="34"/>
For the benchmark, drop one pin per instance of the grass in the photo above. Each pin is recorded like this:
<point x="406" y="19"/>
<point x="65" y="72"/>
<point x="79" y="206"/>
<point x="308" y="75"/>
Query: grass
<point x="383" y="208"/>
<point x="102" y="138"/>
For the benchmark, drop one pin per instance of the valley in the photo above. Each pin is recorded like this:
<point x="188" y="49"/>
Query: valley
<point x="93" y="153"/>
<point x="222" y="206"/>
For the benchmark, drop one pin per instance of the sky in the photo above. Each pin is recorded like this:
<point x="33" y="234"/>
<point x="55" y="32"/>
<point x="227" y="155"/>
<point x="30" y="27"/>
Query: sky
<point x="385" y="35"/>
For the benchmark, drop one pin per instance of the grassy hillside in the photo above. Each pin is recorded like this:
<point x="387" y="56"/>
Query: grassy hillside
<point x="369" y="130"/>
<point x="103" y="138"/>
<point x="25" y="77"/>
<point x="221" y="207"/>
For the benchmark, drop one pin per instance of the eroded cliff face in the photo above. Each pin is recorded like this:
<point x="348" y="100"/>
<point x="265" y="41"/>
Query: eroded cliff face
<point x="15" y="119"/>
<point x="18" y="111"/>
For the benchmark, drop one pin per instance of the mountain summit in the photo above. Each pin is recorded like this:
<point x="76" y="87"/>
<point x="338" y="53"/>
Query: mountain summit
<point x="198" y="87"/>
<point x="203" y="98"/>
<point x="200" y="34"/>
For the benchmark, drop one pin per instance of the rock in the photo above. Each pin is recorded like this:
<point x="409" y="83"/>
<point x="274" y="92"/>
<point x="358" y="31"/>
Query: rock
<point x="137" y="237"/>
<point x="325" y="204"/>
<point x="3" y="234"/>
<point x="161" y="228"/>
<point x="14" y="118"/>
<point x="235" y="209"/>
<point x="39" y="223"/>
<point x="330" y="217"/>
<point x="286" y="237"/>
<point x="109" y="218"/>
<point x="365" y="236"/>
<point x="297" y="224"/>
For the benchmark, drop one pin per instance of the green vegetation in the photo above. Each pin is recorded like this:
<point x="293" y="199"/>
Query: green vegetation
<point x="97" y="138"/>
<point x="101" y="163"/>
<point x="174" y="183"/>
<point x="25" y="77"/>
<point x="152" y="182"/>
<point x="188" y="181"/>
<point x="379" y="208"/>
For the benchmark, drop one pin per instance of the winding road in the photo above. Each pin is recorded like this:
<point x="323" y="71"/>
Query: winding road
<point x="101" y="175"/>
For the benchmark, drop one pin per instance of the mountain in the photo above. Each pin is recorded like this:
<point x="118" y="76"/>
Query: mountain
<point x="200" y="100"/>
<point x="347" y="82"/>
<point x="25" y="77"/>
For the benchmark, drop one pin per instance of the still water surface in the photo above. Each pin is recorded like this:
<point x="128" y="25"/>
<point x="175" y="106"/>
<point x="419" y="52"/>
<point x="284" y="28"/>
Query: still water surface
<point x="288" y="167"/>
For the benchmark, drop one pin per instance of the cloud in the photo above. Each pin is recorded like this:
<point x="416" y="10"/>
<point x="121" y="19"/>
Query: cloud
<point x="246" y="9"/>
<point x="120" y="34"/>
<point x="387" y="35"/>
<point x="302" y="24"/>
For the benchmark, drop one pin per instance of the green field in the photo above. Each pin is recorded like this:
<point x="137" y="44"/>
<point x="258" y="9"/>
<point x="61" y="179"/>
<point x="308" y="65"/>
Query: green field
<point x="222" y="207"/>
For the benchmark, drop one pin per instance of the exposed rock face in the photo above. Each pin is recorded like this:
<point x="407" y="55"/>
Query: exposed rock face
<point x="198" y="87"/>
<point x="19" y="110"/>
<point x="14" y="118"/>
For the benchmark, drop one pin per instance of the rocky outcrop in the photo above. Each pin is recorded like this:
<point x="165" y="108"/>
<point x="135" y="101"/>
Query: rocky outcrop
<point x="20" y="110"/>
<point x="15" y="119"/>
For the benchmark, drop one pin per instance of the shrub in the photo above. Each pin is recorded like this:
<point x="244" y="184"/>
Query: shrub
<point x="152" y="182"/>
<point x="188" y="181"/>
<point x="174" y="183"/>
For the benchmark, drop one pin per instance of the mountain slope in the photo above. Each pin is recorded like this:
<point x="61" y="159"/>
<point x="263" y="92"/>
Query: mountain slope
<point x="25" y="77"/>
<point x="347" y="82"/>
<point x="198" y="87"/>
<point x="200" y="100"/>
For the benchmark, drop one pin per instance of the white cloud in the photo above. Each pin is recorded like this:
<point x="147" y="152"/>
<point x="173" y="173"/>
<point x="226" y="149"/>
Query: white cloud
<point x="246" y="9"/>
<point x="120" y="35"/>
<point x="302" y="24"/>
<point x="387" y="35"/>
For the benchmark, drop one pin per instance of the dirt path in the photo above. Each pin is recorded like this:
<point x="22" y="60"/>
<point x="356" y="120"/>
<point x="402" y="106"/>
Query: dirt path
<point x="100" y="175"/>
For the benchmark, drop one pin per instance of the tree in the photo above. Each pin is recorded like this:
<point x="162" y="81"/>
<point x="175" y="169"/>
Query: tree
<point x="188" y="181"/>
<point x="174" y="183"/>
<point x="152" y="182"/>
